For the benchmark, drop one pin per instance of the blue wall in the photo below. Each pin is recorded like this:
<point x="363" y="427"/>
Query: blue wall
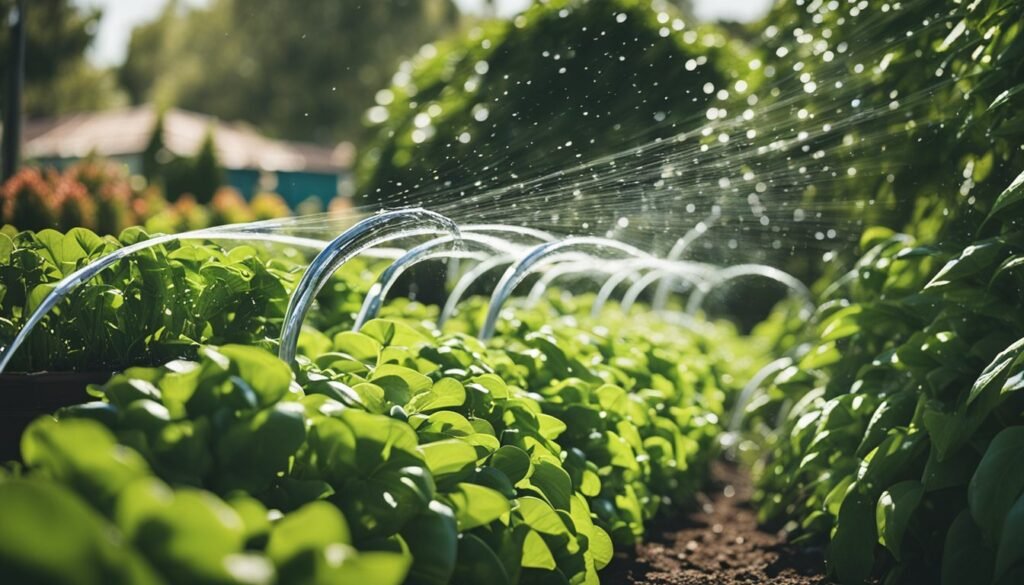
<point x="246" y="181"/>
<point x="296" y="187"/>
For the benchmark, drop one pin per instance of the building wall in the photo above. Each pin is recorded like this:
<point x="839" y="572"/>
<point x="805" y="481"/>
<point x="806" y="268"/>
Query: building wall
<point x="247" y="181"/>
<point x="296" y="187"/>
<point x="132" y="161"/>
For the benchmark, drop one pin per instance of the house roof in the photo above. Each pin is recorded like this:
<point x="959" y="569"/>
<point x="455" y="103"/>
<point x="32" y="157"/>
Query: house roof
<point x="127" y="131"/>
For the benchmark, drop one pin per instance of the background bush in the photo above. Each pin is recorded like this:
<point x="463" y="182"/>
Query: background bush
<point x="563" y="83"/>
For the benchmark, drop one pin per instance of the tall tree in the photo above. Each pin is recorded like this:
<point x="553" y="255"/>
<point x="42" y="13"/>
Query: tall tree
<point x="207" y="176"/>
<point x="302" y="71"/>
<point x="58" y="79"/>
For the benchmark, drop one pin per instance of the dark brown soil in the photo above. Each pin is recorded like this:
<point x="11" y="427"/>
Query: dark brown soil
<point x="719" y="544"/>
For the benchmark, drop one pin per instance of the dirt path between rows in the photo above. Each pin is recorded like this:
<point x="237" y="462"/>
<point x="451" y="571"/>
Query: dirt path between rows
<point x="719" y="544"/>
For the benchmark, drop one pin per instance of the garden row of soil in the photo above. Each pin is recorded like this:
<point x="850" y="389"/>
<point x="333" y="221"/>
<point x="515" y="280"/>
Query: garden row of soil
<point x="718" y="544"/>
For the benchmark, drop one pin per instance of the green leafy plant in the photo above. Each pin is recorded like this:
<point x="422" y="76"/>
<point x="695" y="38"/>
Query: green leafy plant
<point x="153" y="306"/>
<point x="902" y="412"/>
<point x="438" y="458"/>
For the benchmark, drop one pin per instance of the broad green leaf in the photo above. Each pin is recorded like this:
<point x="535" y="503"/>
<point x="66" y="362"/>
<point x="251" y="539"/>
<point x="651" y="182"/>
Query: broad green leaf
<point x="262" y="371"/>
<point x="536" y="554"/>
<point x="375" y="468"/>
<point x="445" y="393"/>
<point x="399" y="383"/>
<point x="362" y="347"/>
<point x="389" y="332"/>
<point x="432" y="538"/>
<point x="893" y="512"/>
<point x="63" y="251"/>
<point x="254" y="515"/>
<point x="476" y="505"/>
<point x="997" y="371"/>
<point x="254" y="450"/>
<point x="84" y="455"/>
<point x="952" y="471"/>
<point x="1011" y="541"/>
<point x="124" y="389"/>
<point x="6" y="247"/>
<point x="553" y="482"/>
<point x="852" y="550"/>
<point x="485" y="444"/>
<point x="343" y="394"/>
<point x="1010" y="196"/>
<point x="445" y="424"/>
<point x="612" y="399"/>
<point x="383" y="568"/>
<point x="894" y="411"/>
<point x="314" y="526"/>
<point x="600" y="545"/>
<point x="478" y="563"/>
<point x="998" y="482"/>
<point x="591" y="485"/>
<point x="37" y="295"/>
<point x="873" y="236"/>
<point x="448" y="456"/>
<point x="842" y="323"/>
<point x="493" y="478"/>
<point x="494" y="385"/>
<point x="891" y="460"/>
<point x="190" y="535"/>
<point x="540" y="516"/>
<point x="823" y="355"/>
<point x="974" y="259"/>
<point x="291" y="493"/>
<point x="342" y="363"/>
<point x="312" y="342"/>
<point x="965" y="557"/>
<point x="372" y="396"/>
<point x="549" y="426"/>
<point x="513" y="462"/>
<point x="87" y="547"/>
<point x="622" y="454"/>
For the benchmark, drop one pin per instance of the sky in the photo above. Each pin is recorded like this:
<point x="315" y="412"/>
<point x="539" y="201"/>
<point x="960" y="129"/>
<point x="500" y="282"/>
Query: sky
<point x="120" y="16"/>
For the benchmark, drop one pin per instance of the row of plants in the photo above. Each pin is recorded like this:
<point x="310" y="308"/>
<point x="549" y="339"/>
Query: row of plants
<point x="156" y="305"/>
<point x="100" y="195"/>
<point x="891" y="435"/>
<point x="393" y="454"/>
<point x="901" y="417"/>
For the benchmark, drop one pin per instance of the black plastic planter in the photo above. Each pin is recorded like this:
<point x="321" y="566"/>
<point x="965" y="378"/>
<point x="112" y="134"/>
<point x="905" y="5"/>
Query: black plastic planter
<point x="24" y="397"/>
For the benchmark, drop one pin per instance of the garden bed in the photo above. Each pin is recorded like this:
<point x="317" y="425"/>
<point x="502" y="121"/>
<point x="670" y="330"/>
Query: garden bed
<point x="719" y="544"/>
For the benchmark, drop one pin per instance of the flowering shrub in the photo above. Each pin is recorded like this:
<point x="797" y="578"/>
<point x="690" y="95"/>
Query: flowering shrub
<point x="26" y="201"/>
<point x="99" y="195"/>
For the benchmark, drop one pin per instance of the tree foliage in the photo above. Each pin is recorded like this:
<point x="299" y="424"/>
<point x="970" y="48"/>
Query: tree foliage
<point x="298" y="72"/>
<point x="58" y="79"/>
